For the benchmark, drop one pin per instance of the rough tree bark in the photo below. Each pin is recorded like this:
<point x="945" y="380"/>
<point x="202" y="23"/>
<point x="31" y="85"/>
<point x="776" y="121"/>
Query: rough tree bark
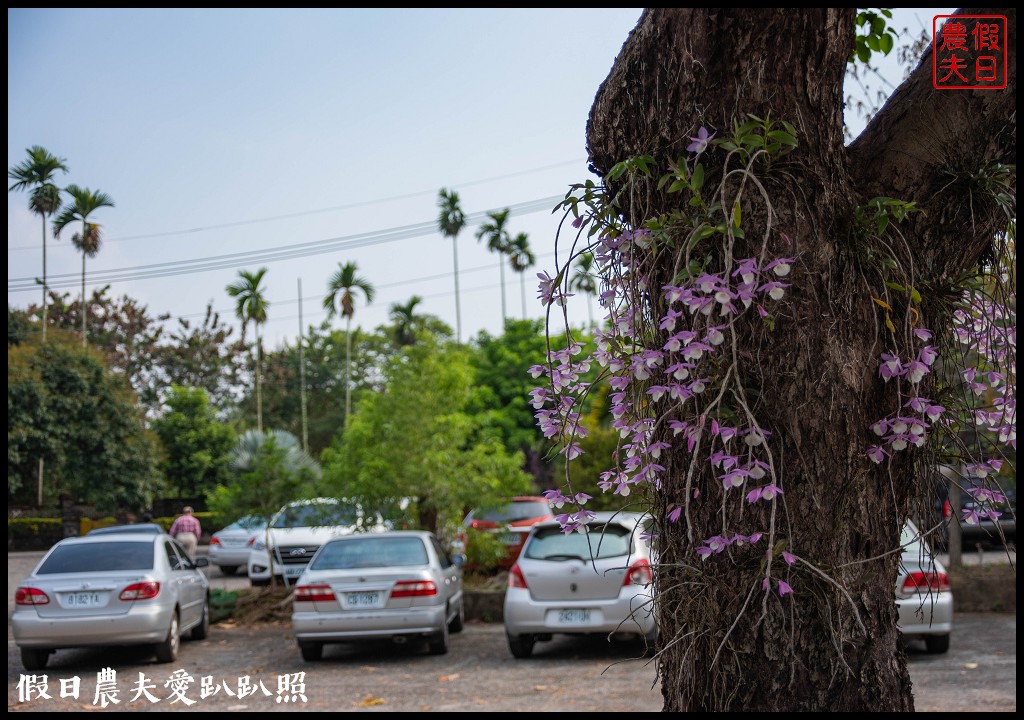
<point x="816" y="374"/>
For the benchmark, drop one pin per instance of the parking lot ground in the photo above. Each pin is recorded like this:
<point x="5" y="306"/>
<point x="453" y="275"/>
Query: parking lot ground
<point x="479" y="674"/>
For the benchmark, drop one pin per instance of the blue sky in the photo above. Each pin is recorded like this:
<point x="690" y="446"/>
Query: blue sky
<point x="207" y="126"/>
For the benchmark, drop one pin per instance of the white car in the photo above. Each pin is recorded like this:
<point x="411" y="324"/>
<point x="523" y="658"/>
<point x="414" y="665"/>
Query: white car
<point x="298" y="530"/>
<point x="923" y="595"/>
<point x="230" y="547"/>
<point x="595" y="581"/>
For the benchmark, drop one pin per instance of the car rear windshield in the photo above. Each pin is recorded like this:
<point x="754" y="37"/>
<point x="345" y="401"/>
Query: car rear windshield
<point x="370" y="552"/>
<point x="98" y="557"/>
<point x="600" y="541"/>
<point x="513" y="512"/>
<point x="316" y="515"/>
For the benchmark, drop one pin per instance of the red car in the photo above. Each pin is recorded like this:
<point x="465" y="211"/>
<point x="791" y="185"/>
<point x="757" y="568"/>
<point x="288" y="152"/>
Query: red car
<point x="511" y="521"/>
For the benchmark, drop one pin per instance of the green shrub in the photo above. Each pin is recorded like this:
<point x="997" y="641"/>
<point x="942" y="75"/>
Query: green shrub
<point x="484" y="551"/>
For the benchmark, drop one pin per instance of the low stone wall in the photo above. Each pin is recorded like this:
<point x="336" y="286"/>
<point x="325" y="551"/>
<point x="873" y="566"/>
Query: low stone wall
<point x="984" y="588"/>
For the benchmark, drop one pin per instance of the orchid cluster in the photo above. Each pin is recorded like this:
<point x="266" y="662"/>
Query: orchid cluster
<point x="666" y="370"/>
<point x="986" y="333"/>
<point x="910" y="425"/>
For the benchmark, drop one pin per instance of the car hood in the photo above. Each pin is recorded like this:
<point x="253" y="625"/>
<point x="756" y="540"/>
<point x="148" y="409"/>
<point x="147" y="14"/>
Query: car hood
<point x="306" y="535"/>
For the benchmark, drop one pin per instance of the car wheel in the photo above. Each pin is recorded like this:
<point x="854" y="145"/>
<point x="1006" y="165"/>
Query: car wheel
<point x="937" y="644"/>
<point x="229" y="569"/>
<point x="438" y="645"/>
<point x="459" y="621"/>
<point x="34" y="658"/>
<point x="167" y="651"/>
<point x="521" y="645"/>
<point x="200" y="631"/>
<point x="311" y="651"/>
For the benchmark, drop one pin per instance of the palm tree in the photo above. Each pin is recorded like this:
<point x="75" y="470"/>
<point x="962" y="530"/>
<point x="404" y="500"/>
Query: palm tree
<point x="497" y="241"/>
<point x="83" y="203"/>
<point x="406" y="320"/>
<point x="521" y="258"/>
<point x="251" y="304"/>
<point x="450" y="222"/>
<point x="583" y="280"/>
<point x="37" y="173"/>
<point x="340" y="295"/>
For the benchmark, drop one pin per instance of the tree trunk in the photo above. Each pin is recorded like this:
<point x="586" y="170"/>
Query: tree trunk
<point x="348" y="368"/>
<point x="504" y="313"/>
<point x="833" y="644"/>
<point x="259" y="391"/>
<point x="458" y="309"/>
<point x="44" y="276"/>
<point x="83" y="297"/>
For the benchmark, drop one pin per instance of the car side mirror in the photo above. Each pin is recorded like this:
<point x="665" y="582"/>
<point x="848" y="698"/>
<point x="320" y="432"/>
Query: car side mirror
<point x="201" y="562"/>
<point x="458" y="559"/>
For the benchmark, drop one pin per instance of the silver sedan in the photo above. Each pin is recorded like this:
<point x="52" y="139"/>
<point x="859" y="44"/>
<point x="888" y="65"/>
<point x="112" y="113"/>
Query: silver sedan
<point x="108" y="590"/>
<point x="230" y="547"/>
<point x="597" y="580"/>
<point x="397" y="585"/>
<point x="923" y="594"/>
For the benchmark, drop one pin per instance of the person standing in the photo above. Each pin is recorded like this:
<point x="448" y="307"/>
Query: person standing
<point x="186" y="530"/>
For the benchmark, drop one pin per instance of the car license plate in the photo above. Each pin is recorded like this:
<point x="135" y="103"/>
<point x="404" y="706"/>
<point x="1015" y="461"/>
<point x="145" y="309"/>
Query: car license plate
<point x="82" y="599"/>
<point x="362" y="599"/>
<point x="510" y="538"/>
<point x="575" y="616"/>
<point x="232" y="543"/>
<point x="293" y="571"/>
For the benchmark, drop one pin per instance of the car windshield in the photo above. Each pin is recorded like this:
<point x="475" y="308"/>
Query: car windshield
<point x="250" y="522"/>
<point x="371" y="552"/>
<point x="599" y="541"/>
<point x="513" y="512"/>
<point x="98" y="557"/>
<point x="316" y="515"/>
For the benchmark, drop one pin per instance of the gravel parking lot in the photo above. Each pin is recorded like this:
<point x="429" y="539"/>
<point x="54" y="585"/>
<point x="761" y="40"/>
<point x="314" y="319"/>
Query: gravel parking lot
<point x="479" y="674"/>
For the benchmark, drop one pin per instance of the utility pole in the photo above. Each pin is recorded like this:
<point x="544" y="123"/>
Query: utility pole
<point x="302" y="376"/>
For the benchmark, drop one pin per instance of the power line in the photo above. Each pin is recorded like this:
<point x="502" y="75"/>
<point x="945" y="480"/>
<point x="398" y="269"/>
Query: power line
<point x="397" y="283"/>
<point x="320" y="211"/>
<point x="266" y="255"/>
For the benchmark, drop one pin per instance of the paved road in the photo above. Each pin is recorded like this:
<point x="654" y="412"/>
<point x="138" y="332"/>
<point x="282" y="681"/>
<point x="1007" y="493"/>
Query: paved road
<point x="979" y="672"/>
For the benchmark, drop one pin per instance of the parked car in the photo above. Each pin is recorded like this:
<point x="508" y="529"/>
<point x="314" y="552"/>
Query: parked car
<point x="510" y="521"/>
<point x="299" y="529"/>
<point x="109" y="590"/>
<point x="597" y="580"/>
<point x="148" y="528"/>
<point x="398" y="585"/>
<point x="230" y="547"/>
<point x="923" y="594"/>
<point x="981" y="530"/>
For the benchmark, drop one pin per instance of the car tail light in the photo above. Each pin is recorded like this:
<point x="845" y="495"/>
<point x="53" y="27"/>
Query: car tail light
<point x="926" y="581"/>
<point x="639" y="573"/>
<point x="515" y="577"/>
<point x="30" y="596"/>
<point x="947" y="510"/>
<point x="414" y="588"/>
<point x="313" y="593"/>
<point x="215" y="540"/>
<point x="251" y="541"/>
<point x="140" y="591"/>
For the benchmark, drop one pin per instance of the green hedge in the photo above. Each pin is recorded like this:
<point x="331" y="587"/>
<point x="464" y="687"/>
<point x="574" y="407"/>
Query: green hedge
<point x="33" y="533"/>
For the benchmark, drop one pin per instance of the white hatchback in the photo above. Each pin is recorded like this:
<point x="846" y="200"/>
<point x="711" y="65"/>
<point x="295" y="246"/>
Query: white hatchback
<point x="598" y="580"/>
